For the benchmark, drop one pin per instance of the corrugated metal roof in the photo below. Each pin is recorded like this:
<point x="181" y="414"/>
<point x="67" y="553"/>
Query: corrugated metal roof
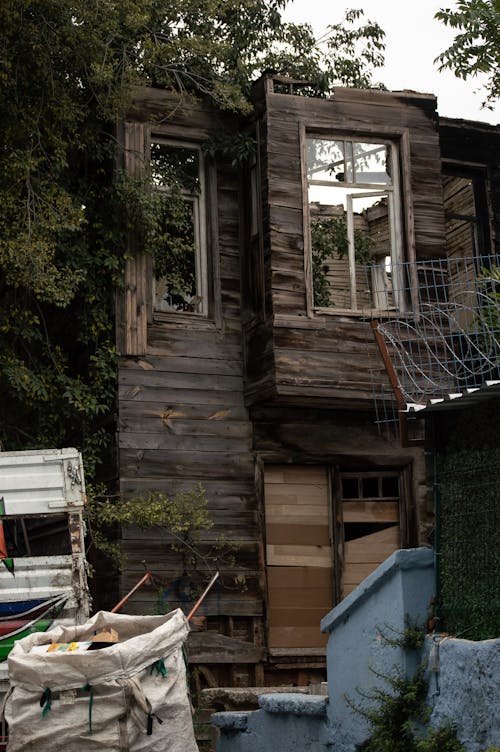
<point x="457" y="400"/>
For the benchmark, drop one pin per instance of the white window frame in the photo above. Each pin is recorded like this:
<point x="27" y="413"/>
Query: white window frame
<point x="198" y="201"/>
<point x="393" y="193"/>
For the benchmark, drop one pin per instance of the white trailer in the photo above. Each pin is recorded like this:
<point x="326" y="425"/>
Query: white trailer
<point x="43" y="571"/>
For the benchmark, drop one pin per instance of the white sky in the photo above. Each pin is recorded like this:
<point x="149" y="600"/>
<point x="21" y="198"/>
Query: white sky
<point x="413" y="39"/>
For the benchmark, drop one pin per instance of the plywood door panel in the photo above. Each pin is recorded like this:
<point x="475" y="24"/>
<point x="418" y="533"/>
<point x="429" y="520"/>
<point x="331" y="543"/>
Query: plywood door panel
<point x="319" y="597"/>
<point x="297" y="578"/>
<point x="296" y="496"/>
<point x="308" y="475"/>
<point x="293" y="556"/>
<point x="363" y="555"/>
<point x="295" y="617"/>
<point x="373" y="547"/>
<point x="308" y="513"/>
<point x="299" y="555"/>
<point x="285" y="532"/>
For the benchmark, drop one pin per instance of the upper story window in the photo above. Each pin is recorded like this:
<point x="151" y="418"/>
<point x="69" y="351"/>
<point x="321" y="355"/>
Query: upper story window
<point x="466" y="212"/>
<point x="180" y="261"/>
<point x="355" y="234"/>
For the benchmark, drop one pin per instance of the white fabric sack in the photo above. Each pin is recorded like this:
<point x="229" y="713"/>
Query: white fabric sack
<point x="104" y="699"/>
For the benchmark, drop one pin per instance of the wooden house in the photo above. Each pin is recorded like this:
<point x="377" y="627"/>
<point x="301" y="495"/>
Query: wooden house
<point x="249" y="365"/>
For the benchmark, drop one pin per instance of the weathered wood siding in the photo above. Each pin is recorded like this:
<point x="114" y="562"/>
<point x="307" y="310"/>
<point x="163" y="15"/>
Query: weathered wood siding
<point x="182" y="418"/>
<point x="332" y="357"/>
<point x="199" y="402"/>
<point x="132" y="305"/>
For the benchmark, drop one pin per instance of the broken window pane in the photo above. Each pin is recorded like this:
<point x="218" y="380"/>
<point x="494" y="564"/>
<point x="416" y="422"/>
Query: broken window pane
<point x="175" y="257"/>
<point x="348" y="162"/>
<point x="325" y="159"/>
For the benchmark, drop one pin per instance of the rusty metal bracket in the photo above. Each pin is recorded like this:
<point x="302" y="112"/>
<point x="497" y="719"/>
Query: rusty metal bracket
<point x="394" y="382"/>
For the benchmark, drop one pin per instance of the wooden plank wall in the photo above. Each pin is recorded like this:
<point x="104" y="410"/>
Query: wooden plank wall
<point x="471" y="157"/>
<point x="461" y="246"/>
<point x="182" y="418"/>
<point x="330" y="357"/>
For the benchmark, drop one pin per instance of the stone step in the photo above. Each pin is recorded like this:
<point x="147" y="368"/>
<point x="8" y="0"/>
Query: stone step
<point x="247" y="698"/>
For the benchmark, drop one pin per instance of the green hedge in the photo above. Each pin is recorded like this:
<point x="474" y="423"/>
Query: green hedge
<point x="468" y="542"/>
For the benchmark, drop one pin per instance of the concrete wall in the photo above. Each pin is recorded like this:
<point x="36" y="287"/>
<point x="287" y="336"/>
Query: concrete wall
<point x="285" y="723"/>
<point x="399" y="589"/>
<point x="465" y="687"/>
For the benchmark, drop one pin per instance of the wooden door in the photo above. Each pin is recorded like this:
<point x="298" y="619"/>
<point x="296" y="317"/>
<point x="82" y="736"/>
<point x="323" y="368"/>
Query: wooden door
<point x="303" y="581"/>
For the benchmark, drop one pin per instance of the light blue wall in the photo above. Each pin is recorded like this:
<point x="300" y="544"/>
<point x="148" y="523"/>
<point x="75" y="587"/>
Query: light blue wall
<point x="285" y="723"/>
<point x="398" y="589"/>
<point x="466" y="689"/>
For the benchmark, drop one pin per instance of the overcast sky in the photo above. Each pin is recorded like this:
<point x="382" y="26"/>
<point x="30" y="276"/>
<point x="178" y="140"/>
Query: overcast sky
<point x="413" y="39"/>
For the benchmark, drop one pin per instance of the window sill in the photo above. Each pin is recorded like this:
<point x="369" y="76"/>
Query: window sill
<point x="367" y="313"/>
<point x="320" y="316"/>
<point x="193" y="320"/>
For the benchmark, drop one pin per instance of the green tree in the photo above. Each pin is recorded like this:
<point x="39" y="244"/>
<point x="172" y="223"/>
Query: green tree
<point x="67" y="71"/>
<point x="346" y="55"/>
<point x="476" y="47"/>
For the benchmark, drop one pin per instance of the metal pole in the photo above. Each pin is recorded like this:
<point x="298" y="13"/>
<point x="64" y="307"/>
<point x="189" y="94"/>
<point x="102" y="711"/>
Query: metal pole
<point x="147" y="577"/>
<point x="202" y="597"/>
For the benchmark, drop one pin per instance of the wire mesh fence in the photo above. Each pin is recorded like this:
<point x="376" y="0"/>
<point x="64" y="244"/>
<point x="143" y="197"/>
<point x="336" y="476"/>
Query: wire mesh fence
<point x="440" y="322"/>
